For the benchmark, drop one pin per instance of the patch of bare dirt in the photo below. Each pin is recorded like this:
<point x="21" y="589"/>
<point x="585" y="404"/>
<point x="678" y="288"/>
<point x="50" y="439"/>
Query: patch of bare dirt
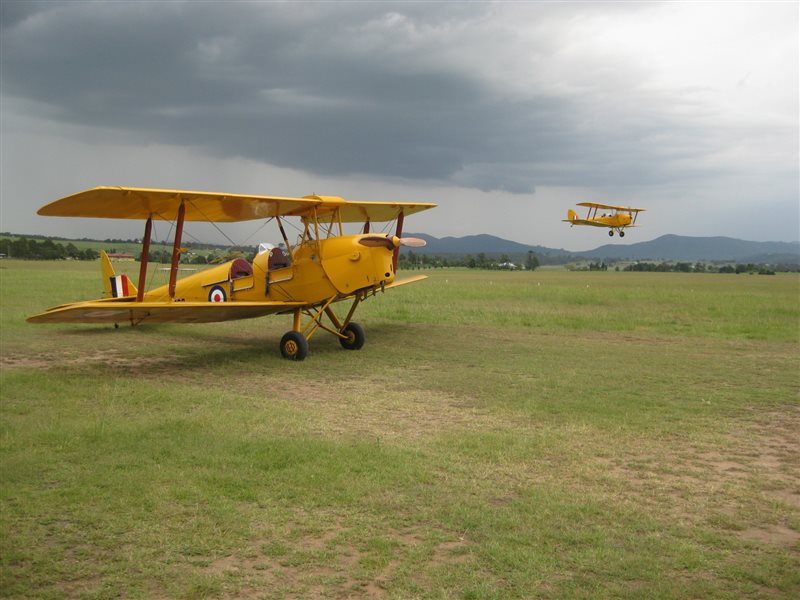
<point x="777" y="535"/>
<point x="330" y="564"/>
<point x="368" y="410"/>
<point x="789" y="497"/>
<point x="29" y="362"/>
<point x="60" y="359"/>
<point x="735" y="483"/>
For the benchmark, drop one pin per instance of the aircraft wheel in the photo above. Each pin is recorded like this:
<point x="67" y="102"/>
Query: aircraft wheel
<point x="355" y="337"/>
<point x="621" y="234"/>
<point x="294" y="346"/>
<point x="611" y="233"/>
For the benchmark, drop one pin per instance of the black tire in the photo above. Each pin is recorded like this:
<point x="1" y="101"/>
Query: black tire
<point x="621" y="234"/>
<point x="611" y="233"/>
<point x="294" y="346"/>
<point x="355" y="337"/>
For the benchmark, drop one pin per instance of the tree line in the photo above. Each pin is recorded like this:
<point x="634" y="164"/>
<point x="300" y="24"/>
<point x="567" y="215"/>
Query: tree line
<point x="39" y="247"/>
<point x="412" y="260"/>
<point x="699" y="267"/>
<point x="45" y="250"/>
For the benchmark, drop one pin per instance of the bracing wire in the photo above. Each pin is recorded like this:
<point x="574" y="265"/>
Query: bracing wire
<point x="249" y="237"/>
<point x="225" y="235"/>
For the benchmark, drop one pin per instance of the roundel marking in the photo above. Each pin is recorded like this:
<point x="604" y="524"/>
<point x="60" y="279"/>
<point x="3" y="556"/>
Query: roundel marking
<point x="217" y="294"/>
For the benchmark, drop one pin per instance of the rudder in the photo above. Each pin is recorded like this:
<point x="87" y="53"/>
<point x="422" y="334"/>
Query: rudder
<point x="114" y="286"/>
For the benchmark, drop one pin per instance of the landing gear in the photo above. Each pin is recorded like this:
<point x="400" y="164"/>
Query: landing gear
<point x="611" y="233"/>
<point x="294" y="346"/>
<point x="354" y="339"/>
<point x="621" y="234"/>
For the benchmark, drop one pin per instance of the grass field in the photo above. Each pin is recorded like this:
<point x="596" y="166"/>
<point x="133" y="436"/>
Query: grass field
<point x="501" y="435"/>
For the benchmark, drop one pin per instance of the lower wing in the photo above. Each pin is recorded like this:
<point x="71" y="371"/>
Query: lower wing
<point x="406" y="280"/>
<point x="586" y="222"/>
<point x="160" y="312"/>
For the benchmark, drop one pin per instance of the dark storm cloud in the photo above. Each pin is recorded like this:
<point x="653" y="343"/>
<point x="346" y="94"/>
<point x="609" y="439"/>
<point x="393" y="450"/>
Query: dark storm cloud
<point x="256" y="80"/>
<point x="394" y="90"/>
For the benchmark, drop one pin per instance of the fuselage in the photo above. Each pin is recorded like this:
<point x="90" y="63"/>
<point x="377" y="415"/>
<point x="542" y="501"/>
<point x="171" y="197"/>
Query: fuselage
<point x="614" y="220"/>
<point x="317" y="271"/>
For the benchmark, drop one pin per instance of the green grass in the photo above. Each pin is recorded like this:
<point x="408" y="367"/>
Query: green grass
<point x="501" y="435"/>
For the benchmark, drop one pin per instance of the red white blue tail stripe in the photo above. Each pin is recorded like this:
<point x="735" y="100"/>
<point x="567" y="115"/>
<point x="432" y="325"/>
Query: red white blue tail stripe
<point x="119" y="286"/>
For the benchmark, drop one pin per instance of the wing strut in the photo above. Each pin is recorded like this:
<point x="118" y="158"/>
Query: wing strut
<point x="176" y="250"/>
<point x="148" y="229"/>
<point x="399" y="233"/>
<point x="283" y="234"/>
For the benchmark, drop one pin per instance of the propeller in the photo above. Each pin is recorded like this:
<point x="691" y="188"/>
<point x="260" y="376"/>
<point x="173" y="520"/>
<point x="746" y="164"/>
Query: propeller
<point x="413" y="242"/>
<point x="390" y="243"/>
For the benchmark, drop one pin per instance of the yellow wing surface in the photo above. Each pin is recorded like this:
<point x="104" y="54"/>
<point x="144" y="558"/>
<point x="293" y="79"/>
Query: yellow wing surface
<point x="115" y="310"/>
<point x="592" y="222"/>
<point x="405" y="281"/>
<point x="160" y="312"/>
<point x="144" y="203"/>
<point x="610" y="206"/>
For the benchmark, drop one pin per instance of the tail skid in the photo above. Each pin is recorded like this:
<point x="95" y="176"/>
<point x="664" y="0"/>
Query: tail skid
<point x="115" y="286"/>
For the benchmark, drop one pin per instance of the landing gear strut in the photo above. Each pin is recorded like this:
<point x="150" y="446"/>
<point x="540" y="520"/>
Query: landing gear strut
<point x="294" y="344"/>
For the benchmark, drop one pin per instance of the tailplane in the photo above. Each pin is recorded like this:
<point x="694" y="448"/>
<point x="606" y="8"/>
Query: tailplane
<point x="115" y="286"/>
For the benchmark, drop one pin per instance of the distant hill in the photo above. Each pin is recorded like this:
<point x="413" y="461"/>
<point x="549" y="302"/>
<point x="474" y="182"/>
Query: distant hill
<point x="666" y="247"/>
<point x="475" y="244"/>
<point x="678" y="247"/>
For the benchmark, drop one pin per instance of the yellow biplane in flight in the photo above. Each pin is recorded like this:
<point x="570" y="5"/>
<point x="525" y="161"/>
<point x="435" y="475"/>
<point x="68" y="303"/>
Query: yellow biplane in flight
<point x="324" y="266"/>
<point x="617" y="219"/>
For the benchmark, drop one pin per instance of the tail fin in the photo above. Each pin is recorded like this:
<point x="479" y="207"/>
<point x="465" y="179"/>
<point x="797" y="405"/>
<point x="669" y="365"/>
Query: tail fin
<point x="114" y="286"/>
<point x="572" y="215"/>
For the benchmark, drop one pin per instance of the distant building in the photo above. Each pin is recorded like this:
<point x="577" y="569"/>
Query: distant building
<point x="120" y="256"/>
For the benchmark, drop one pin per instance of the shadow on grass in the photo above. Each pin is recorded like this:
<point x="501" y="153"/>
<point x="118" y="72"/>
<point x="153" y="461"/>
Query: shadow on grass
<point x="204" y="351"/>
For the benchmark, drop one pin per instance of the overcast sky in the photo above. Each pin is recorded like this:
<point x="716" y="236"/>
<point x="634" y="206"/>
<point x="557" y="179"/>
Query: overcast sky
<point x="505" y="114"/>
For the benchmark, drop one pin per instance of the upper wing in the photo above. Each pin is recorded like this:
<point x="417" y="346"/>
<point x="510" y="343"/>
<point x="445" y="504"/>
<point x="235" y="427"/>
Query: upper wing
<point x="160" y="312"/>
<point x="143" y="203"/>
<point x="359" y="211"/>
<point x="610" y="206"/>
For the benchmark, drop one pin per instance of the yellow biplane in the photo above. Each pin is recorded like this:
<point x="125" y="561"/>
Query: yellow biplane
<point x="323" y="267"/>
<point x="617" y="219"/>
